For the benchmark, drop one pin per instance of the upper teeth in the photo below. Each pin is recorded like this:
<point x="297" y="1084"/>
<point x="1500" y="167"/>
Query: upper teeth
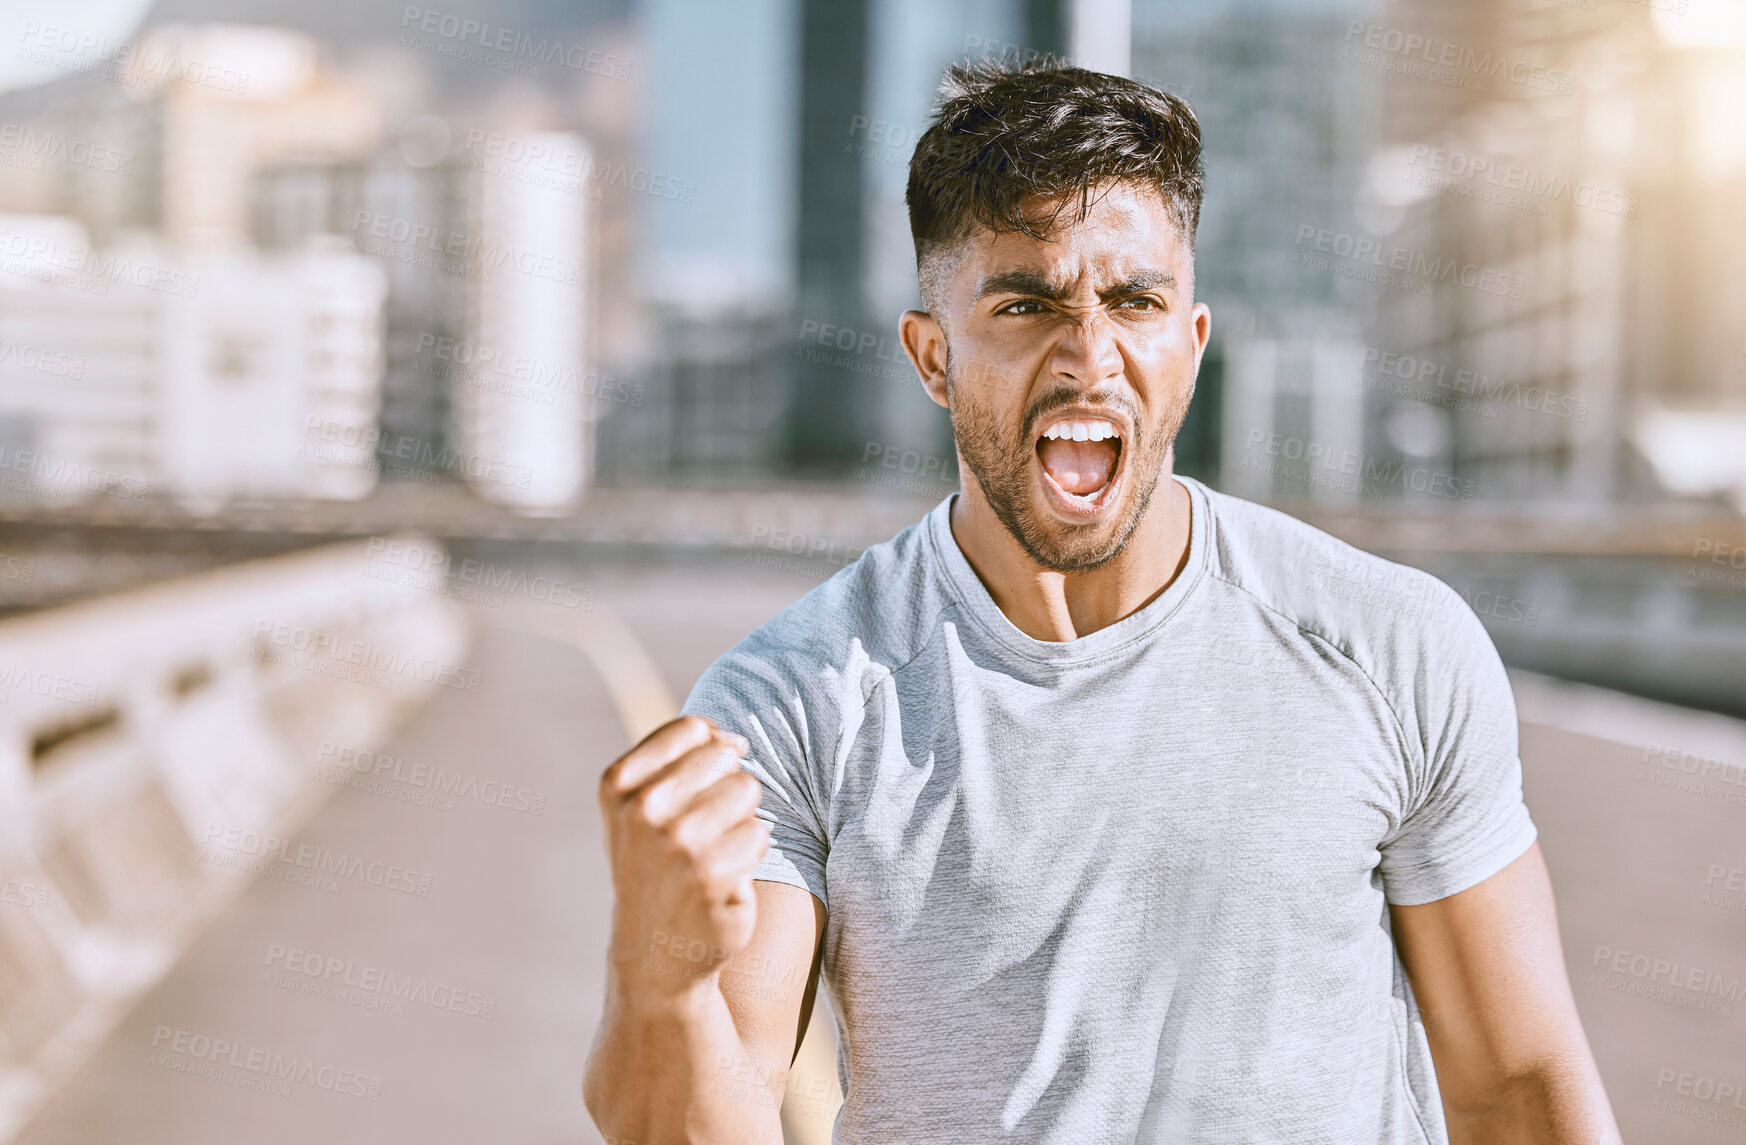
<point x="1092" y="430"/>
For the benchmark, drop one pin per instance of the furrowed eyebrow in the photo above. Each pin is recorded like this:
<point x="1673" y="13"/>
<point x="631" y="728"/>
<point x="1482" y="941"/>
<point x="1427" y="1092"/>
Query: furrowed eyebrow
<point x="1138" y="283"/>
<point x="1021" y="282"/>
<point x="1034" y="285"/>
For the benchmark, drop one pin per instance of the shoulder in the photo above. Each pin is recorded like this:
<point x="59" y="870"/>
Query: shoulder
<point x="1324" y="585"/>
<point x="867" y="620"/>
<point x="1412" y="635"/>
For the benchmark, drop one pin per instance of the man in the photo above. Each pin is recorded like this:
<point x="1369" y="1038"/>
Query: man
<point x="1111" y="808"/>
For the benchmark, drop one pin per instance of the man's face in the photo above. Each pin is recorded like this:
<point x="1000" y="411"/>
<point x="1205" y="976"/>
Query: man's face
<point x="1069" y="370"/>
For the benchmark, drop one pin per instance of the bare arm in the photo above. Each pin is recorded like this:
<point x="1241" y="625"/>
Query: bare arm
<point x="1512" y="1061"/>
<point x="709" y="972"/>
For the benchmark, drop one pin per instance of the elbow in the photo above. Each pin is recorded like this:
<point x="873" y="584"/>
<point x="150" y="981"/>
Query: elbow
<point x="594" y="1094"/>
<point x="620" y="1121"/>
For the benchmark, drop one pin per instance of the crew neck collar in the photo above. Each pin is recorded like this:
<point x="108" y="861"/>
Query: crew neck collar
<point x="973" y="597"/>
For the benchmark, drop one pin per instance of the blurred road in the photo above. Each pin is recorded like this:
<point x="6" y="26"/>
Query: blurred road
<point x="513" y="922"/>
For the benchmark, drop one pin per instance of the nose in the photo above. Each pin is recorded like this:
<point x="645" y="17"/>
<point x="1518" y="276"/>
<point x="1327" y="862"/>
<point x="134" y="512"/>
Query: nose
<point x="1087" y="352"/>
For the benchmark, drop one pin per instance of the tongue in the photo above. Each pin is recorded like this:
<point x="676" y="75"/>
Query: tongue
<point x="1079" y="467"/>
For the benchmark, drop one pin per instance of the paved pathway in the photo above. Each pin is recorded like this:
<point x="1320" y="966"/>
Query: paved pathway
<point x="517" y="904"/>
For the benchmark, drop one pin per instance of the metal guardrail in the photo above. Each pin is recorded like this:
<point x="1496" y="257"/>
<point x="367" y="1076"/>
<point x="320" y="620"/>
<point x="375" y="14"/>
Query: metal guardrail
<point x="154" y="746"/>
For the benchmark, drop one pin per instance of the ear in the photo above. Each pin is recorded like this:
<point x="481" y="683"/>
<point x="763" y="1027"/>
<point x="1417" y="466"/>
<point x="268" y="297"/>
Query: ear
<point x="924" y="340"/>
<point x="1201" y="316"/>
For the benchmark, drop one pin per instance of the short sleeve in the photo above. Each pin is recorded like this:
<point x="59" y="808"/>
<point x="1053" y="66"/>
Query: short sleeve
<point x="1466" y="819"/>
<point x="743" y="694"/>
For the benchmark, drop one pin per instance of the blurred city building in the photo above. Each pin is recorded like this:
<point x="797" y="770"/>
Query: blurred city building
<point x="281" y="269"/>
<point x="529" y="403"/>
<point x="139" y="371"/>
<point x="1440" y="243"/>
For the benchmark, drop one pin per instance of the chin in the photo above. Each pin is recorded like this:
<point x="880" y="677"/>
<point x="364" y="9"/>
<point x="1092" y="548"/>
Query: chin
<point x="1087" y="540"/>
<point x="1074" y="497"/>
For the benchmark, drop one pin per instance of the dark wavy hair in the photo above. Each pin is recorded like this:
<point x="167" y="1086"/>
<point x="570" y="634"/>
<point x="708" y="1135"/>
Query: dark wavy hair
<point x="1010" y="137"/>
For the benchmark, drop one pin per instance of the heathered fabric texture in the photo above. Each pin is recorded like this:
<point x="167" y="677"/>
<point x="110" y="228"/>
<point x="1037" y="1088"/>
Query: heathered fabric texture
<point x="1134" y="886"/>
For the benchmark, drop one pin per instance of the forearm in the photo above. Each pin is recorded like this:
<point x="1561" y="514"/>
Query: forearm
<point x="1556" y="1104"/>
<point x="670" y="1069"/>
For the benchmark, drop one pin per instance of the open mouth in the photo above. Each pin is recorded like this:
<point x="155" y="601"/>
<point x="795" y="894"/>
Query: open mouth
<point x="1081" y="460"/>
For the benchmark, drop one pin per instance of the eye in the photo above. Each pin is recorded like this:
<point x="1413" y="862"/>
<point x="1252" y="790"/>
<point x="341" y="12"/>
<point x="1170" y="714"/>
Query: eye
<point x="1022" y="306"/>
<point x="1139" y="302"/>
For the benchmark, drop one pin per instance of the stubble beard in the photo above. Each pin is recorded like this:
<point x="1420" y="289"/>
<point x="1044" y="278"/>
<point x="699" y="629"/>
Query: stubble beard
<point x="1002" y="469"/>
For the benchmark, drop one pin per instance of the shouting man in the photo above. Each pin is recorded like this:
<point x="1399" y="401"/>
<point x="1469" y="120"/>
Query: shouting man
<point x="1112" y="809"/>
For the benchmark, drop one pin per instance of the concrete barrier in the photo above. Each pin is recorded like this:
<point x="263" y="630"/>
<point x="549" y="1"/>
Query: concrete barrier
<point x="151" y="745"/>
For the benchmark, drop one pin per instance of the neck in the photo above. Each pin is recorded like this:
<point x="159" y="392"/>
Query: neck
<point x="1055" y="606"/>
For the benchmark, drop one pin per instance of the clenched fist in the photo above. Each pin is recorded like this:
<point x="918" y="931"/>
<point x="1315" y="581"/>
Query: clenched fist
<point x="683" y="841"/>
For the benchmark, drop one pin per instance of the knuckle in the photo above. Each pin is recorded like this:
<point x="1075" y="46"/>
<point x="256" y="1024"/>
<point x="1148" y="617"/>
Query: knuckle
<point x="721" y="877"/>
<point x="683" y="838"/>
<point x="640" y="808"/>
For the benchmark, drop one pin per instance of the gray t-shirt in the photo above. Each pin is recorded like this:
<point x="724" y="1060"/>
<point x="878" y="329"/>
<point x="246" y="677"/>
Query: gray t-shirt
<point x="1130" y="887"/>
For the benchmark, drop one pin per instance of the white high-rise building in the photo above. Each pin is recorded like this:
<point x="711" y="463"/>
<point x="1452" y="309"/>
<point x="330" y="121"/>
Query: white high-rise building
<point x="78" y="366"/>
<point x="523" y="406"/>
<point x="272" y="382"/>
<point x="134" y="371"/>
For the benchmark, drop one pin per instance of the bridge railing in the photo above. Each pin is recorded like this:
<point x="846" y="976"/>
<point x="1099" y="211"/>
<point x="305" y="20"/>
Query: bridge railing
<point x="155" y="748"/>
